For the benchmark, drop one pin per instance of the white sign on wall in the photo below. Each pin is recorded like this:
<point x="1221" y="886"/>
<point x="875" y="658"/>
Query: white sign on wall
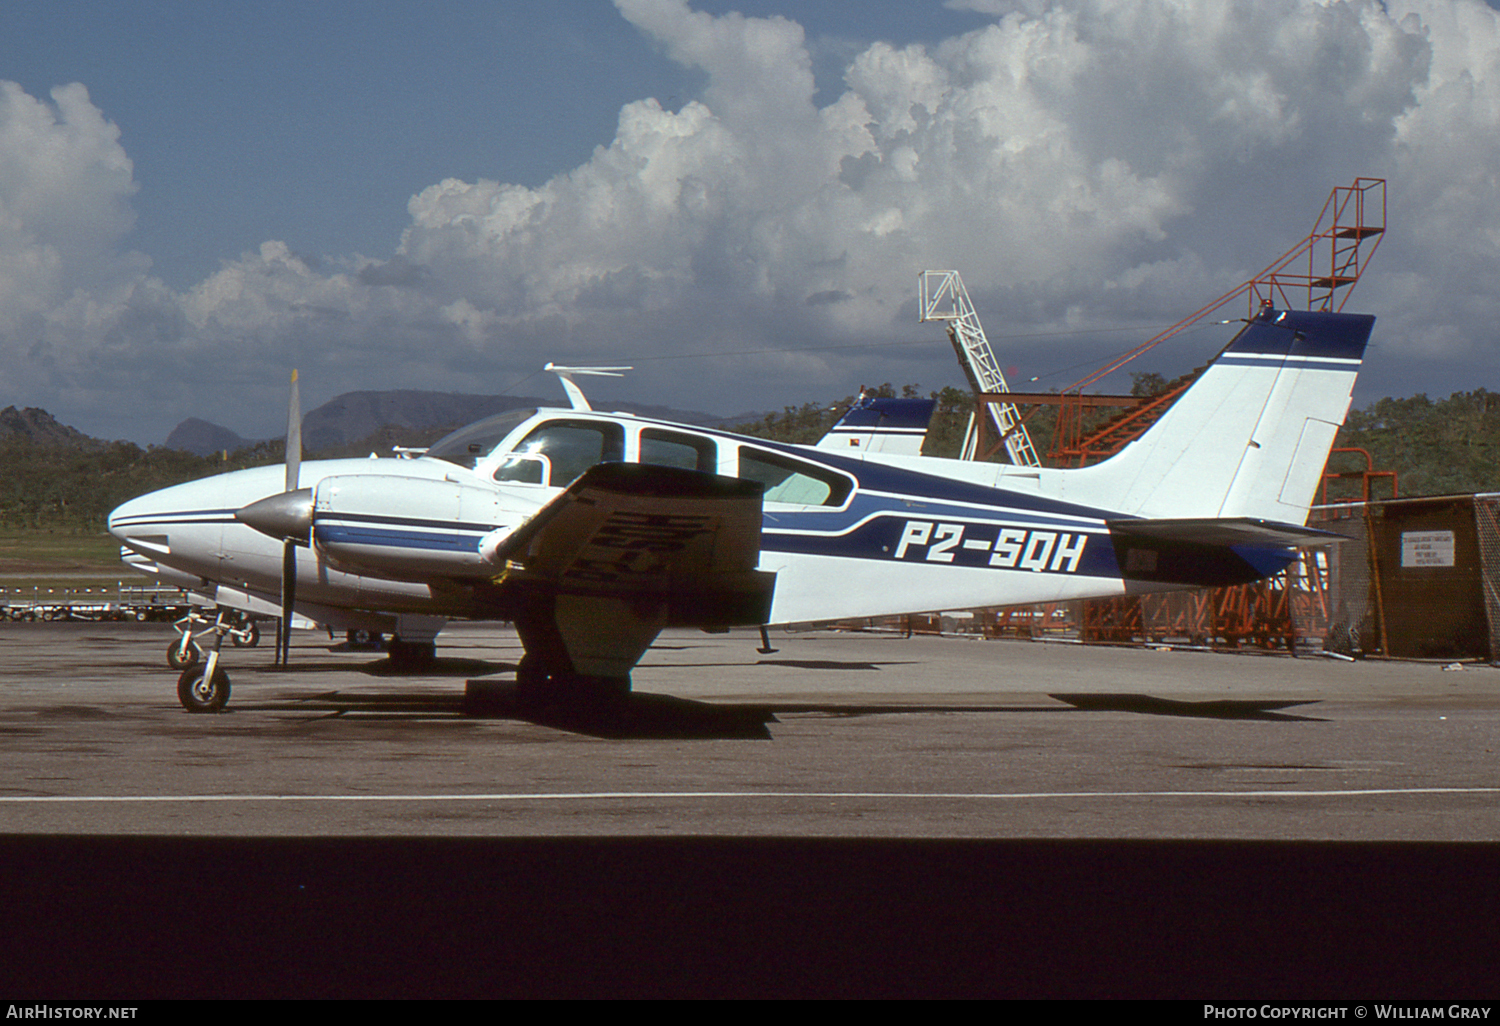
<point x="1426" y="548"/>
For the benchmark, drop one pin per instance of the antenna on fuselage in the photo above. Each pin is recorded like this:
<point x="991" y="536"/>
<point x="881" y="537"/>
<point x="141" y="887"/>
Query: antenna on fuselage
<point x="575" y="394"/>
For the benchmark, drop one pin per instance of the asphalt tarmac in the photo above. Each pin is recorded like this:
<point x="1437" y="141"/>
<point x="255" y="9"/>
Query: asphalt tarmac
<point x="850" y="815"/>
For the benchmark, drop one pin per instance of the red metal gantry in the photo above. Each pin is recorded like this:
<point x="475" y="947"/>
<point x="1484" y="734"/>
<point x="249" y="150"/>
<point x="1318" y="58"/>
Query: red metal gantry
<point x="1318" y="273"/>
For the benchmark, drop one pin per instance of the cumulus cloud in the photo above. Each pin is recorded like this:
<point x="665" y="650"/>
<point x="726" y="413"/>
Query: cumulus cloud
<point x="1084" y="163"/>
<point x="65" y="187"/>
<point x="72" y="300"/>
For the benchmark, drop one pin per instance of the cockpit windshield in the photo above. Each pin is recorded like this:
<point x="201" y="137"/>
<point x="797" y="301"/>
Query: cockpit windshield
<point x="468" y="445"/>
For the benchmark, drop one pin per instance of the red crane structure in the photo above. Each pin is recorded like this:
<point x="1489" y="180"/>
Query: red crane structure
<point x="1318" y="273"/>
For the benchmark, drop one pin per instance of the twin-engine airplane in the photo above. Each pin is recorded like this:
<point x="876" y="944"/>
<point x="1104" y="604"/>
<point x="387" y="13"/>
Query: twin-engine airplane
<point x="592" y="532"/>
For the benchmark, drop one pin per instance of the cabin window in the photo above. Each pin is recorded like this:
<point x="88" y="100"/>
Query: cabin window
<point x="793" y="481"/>
<point x="569" y="446"/>
<point x="670" y="449"/>
<point x="524" y="468"/>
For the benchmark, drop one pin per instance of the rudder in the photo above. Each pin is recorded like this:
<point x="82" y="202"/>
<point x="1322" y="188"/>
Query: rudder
<point x="1251" y="436"/>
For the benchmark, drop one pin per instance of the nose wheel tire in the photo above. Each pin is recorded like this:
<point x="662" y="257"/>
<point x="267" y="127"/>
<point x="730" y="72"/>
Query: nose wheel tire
<point x="201" y="695"/>
<point x="180" y="656"/>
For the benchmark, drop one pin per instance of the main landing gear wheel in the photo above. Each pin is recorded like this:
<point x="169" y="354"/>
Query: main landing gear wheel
<point x="180" y="656"/>
<point x="361" y="640"/>
<point x="200" y="695"/>
<point x="247" y="638"/>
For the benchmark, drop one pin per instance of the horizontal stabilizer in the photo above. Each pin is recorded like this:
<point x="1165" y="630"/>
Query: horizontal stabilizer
<point x="1222" y="531"/>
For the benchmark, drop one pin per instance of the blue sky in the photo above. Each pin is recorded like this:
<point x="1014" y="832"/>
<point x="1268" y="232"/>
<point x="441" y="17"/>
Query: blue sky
<point x="448" y="194"/>
<point x="314" y="122"/>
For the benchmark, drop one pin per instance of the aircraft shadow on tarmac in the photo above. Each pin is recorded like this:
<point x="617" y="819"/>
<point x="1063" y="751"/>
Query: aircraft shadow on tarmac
<point x="795" y="664"/>
<point x="1220" y="709"/>
<point x="443" y="666"/>
<point x="636" y="716"/>
<point x="825" y="664"/>
<point x="437" y="667"/>
<point x="643" y="716"/>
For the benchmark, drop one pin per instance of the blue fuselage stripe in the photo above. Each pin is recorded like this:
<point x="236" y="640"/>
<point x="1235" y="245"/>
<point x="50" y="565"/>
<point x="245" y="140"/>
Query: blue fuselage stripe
<point x="186" y="516"/>
<point x="350" y="534"/>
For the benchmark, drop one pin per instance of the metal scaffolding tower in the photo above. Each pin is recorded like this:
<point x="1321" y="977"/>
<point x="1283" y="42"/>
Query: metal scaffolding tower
<point x="1318" y="273"/>
<point x="944" y="298"/>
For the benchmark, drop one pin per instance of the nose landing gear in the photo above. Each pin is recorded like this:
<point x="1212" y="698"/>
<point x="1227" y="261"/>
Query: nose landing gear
<point x="201" y="690"/>
<point x="204" y="686"/>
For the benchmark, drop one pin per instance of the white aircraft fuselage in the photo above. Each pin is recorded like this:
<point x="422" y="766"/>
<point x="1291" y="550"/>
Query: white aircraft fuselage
<point x="523" y="511"/>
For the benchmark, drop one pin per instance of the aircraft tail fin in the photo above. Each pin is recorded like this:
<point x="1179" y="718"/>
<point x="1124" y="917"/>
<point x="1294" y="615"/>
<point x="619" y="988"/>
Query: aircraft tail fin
<point x="887" y="425"/>
<point x="1251" y="436"/>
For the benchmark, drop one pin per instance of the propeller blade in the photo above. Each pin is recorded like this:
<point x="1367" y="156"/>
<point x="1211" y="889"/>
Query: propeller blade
<point x="288" y="601"/>
<point x="289" y="547"/>
<point x="293" y="438"/>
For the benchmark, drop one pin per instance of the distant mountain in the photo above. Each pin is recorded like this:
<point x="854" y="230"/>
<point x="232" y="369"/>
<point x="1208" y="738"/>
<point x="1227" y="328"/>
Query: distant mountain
<point x="356" y="416"/>
<point x="40" y="428"/>
<point x="201" y="438"/>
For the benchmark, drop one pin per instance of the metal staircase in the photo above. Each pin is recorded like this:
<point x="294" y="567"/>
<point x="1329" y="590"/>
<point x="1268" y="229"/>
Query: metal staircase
<point x="944" y="298"/>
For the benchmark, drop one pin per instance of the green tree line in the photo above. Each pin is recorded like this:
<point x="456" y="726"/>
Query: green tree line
<point x="75" y="487"/>
<point x="1436" y="447"/>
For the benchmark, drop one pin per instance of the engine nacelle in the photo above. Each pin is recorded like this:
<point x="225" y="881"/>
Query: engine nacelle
<point x="408" y="528"/>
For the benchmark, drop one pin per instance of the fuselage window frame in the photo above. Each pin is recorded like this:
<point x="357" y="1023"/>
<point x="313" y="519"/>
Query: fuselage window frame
<point x="473" y="444"/>
<point x="706" y="450"/>
<point x="560" y="462"/>
<point x="800" y="483"/>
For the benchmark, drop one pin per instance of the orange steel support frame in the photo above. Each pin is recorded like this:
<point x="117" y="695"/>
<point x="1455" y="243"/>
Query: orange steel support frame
<point x="1273" y="613"/>
<point x="1318" y="273"/>
<point x="1363" y="476"/>
<point x="987" y="445"/>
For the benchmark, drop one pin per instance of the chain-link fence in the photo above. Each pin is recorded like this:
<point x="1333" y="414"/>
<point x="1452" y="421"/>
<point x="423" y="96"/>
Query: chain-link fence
<point x="1419" y="577"/>
<point x="1487" y="526"/>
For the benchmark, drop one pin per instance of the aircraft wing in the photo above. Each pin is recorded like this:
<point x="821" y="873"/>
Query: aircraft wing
<point x="245" y="602"/>
<point x="1226" y="531"/>
<point x="645" y="533"/>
